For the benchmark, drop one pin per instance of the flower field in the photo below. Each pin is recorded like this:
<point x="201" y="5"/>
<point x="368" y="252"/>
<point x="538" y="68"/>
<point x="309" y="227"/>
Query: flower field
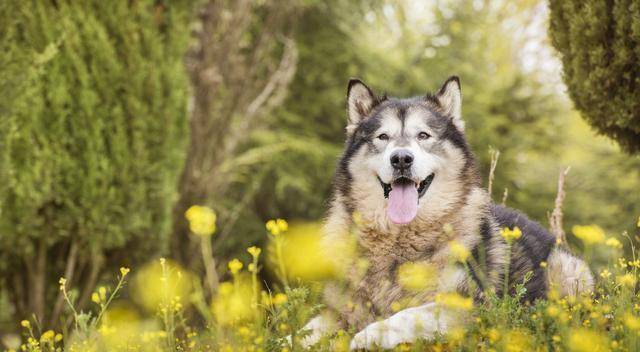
<point x="246" y="315"/>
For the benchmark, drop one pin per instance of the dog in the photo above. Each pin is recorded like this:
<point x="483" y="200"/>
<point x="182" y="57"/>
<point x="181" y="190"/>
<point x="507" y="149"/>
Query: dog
<point x="409" y="175"/>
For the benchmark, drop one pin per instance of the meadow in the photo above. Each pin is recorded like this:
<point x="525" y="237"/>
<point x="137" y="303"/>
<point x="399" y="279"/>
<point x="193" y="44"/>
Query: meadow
<point x="244" y="315"/>
<point x="165" y="166"/>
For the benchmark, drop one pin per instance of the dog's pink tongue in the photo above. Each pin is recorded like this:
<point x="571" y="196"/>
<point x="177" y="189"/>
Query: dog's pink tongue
<point x="403" y="203"/>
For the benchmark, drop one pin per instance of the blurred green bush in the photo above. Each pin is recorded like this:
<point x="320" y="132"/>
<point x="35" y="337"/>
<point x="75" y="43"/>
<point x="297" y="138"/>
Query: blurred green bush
<point x="93" y="111"/>
<point x="599" y="43"/>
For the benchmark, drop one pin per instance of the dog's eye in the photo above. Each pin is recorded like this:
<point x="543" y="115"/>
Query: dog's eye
<point x="383" y="137"/>
<point x="423" y="135"/>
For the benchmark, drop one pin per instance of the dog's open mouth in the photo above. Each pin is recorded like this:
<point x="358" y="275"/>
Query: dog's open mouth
<point x="403" y="195"/>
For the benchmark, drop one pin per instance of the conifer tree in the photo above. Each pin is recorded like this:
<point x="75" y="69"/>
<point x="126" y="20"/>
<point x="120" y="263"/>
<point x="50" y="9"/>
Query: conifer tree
<point x="92" y="138"/>
<point x="599" y="43"/>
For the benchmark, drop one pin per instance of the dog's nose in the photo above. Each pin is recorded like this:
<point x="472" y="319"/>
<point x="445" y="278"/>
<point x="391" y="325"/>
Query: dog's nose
<point x="401" y="159"/>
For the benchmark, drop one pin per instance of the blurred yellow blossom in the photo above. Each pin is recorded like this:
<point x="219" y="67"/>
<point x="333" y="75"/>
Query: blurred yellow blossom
<point x="202" y="220"/>
<point x="632" y="322"/>
<point x="458" y="251"/>
<point x="511" y="235"/>
<point x="628" y="280"/>
<point x="585" y="340"/>
<point x="613" y="242"/>
<point x="48" y="335"/>
<point x="552" y="311"/>
<point x="235" y="266"/>
<point x="416" y="276"/>
<point x="277" y="226"/>
<point x="279" y="298"/>
<point x="454" y="301"/>
<point x="493" y="335"/>
<point x="590" y="234"/>
<point x="303" y="254"/>
<point x="25" y="324"/>
<point x="254" y="251"/>
<point x="232" y="304"/>
<point x="160" y="281"/>
<point x="517" y="341"/>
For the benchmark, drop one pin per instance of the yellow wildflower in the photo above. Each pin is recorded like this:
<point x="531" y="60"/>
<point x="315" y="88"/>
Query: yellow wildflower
<point x="543" y="264"/>
<point x="25" y="324"/>
<point x="58" y="337"/>
<point x="454" y="301"/>
<point x="235" y="266"/>
<point x="254" y="251"/>
<point x="638" y="224"/>
<point x="277" y="226"/>
<point x="95" y="298"/>
<point x="455" y="335"/>
<point x="622" y="263"/>
<point x="244" y="331"/>
<point x="202" y="220"/>
<point x="62" y="282"/>
<point x="627" y="280"/>
<point x="416" y="276"/>
<point x="613" y="242"/>
<point x="48" y="335"/>
<point x="584" y="340"/>
<point x="124" y="271"/>
<point x="605" y="274"/>
<point x="279" y="298"/>
<point x="493" y="335"/>
<point x="552" y="311"/>
<point x="590" y="235"/>
<point x="511" y="235"/>
<point x="458" y="251"/>
<point x="232" y="304"/>
<point x="632" y="322"/>
<point x="517" y="341"/>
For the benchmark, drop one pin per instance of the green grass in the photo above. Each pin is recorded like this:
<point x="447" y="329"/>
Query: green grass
<point x="244" y="316"/>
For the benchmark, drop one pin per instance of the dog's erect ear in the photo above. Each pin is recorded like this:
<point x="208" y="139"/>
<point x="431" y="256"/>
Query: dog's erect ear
<point x="360" y="102"/>
<point x="450" y="98"/>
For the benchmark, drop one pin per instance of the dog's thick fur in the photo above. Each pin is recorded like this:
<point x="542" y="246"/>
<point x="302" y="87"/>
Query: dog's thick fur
<point x="454" y="207"/>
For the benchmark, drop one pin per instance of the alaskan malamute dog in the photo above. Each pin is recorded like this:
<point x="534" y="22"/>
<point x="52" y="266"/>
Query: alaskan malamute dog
<point x="408" y="172"/>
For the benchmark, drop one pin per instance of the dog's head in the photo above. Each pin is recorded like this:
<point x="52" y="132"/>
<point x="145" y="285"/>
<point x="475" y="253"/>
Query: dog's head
<point x="404" y="157"/>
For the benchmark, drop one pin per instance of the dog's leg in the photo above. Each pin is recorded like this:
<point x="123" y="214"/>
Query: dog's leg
<point x="405" y="326"/>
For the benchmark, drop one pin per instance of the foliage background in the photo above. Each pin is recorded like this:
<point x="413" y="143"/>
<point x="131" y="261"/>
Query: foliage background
<point x="74" y="77"/>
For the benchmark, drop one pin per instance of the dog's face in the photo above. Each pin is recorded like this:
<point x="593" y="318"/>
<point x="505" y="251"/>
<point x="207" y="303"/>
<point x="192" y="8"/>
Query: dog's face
<point x="404" y="154"/>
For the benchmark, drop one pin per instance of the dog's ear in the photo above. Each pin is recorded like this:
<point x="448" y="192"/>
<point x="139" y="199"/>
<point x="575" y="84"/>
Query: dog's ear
<point x="360" y="103"/>
<point x="450" y="99"/>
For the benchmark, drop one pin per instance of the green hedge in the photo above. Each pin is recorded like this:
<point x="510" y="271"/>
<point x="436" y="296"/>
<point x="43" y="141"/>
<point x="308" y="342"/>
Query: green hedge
<point x="93" y="125"/>
<point x="599" y="43"/>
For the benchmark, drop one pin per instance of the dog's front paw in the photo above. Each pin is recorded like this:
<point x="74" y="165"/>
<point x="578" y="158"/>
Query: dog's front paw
<point x="384" y="334"/>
